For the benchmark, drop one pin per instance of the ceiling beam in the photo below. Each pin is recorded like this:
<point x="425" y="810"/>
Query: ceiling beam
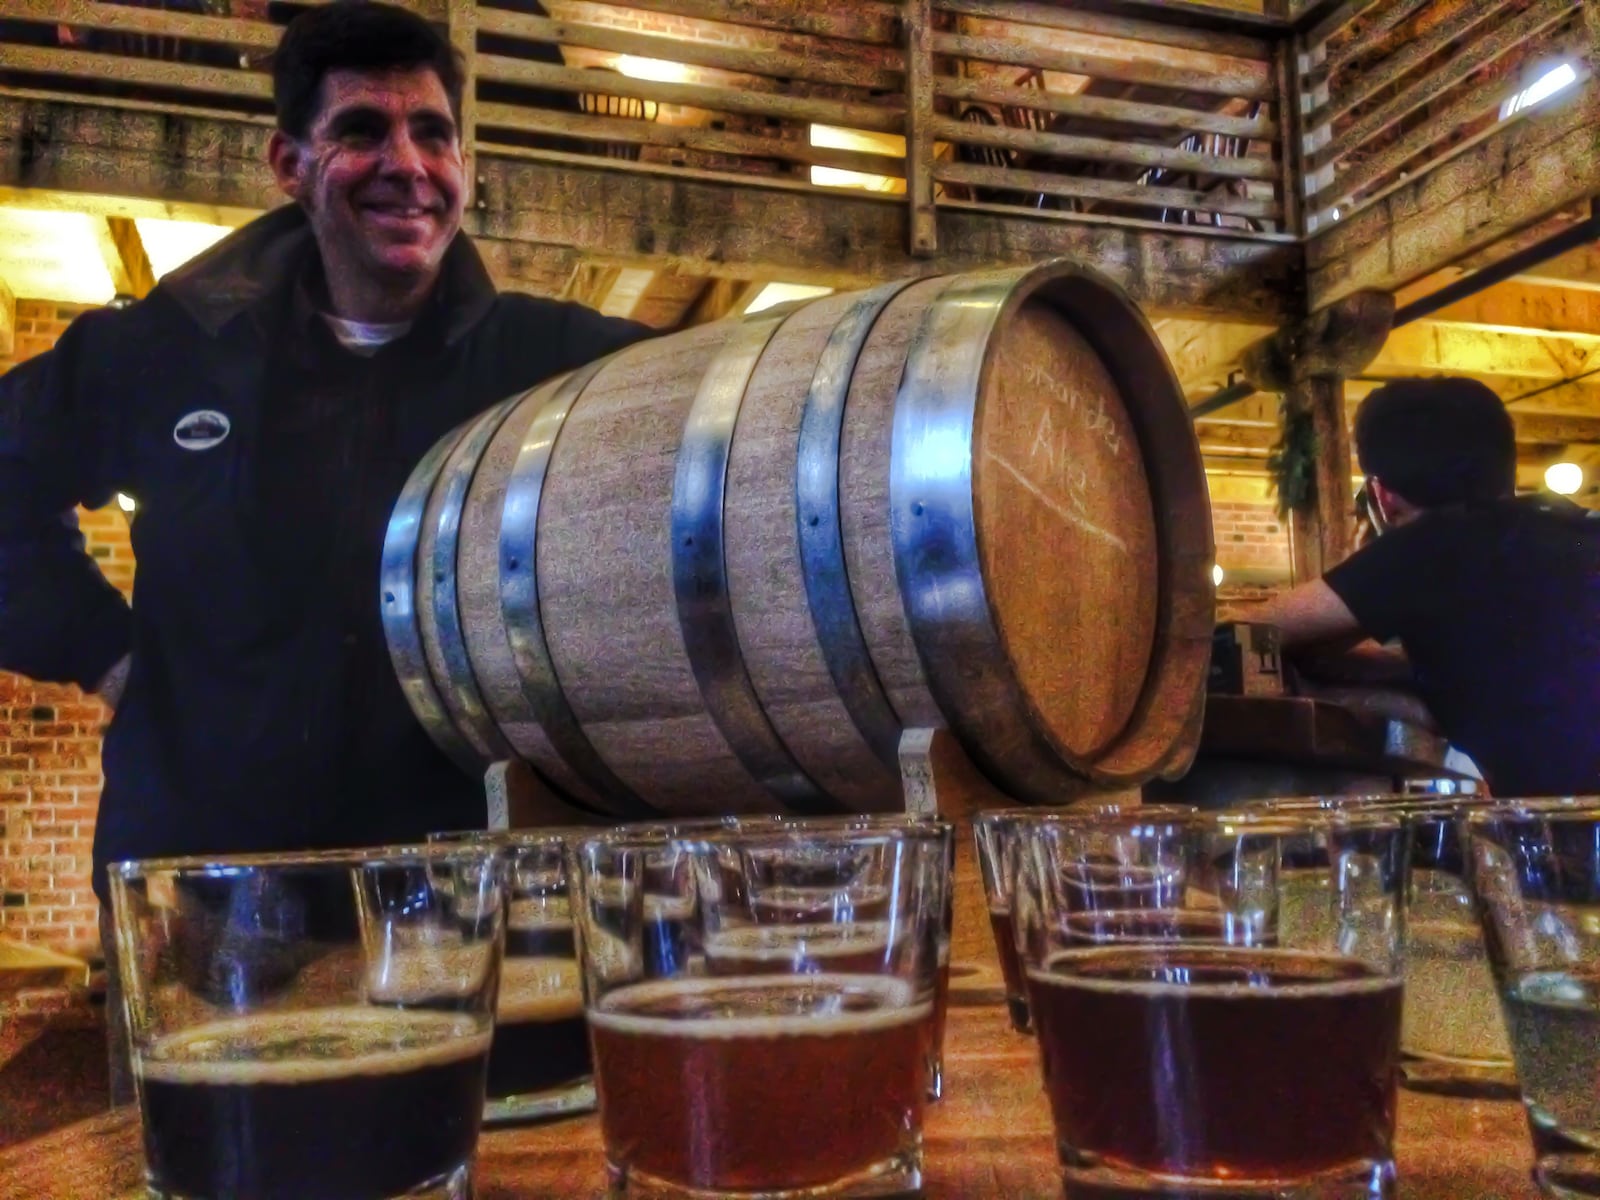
<point x="1203" y="353"/>
<point x="125" y="259"/>
<point x="1521" y="306"/>
<point x="1435" y="347"/>
<point x="722" y="298"/>
<point x="1531" y="428"/>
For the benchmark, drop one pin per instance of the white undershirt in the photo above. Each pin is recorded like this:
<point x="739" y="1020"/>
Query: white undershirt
<point x="364" y="338"/>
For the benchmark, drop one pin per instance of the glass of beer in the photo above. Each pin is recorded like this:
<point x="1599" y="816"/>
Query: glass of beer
<point x="1194" y="1043"/>
<point x="1452" y="1035"/>
<point x="1534" y="868"/>
<point x="539" y="1065"/>
<point x="310" y="1025"/>
<point x="994" y="833"/>
<point x="785" y="1052"/>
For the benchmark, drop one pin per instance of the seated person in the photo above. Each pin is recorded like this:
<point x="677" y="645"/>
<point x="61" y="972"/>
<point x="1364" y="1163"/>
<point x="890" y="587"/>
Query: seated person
<point x="1494" y="598"/>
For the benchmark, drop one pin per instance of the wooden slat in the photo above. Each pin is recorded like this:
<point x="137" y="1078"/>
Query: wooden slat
<point x="1102" y="150"/>
<point x="921" y="127"/>
<point x="1097" y="108"/>
<point x="1362" y="86"/>
<point x="1479" y="100"/>
<point x="1494" y="44"/>
<point x="816" y="68"/>
<point x="1336" y="20"/>
<point x="124" y="18"/>
<point x="82" y="64"/>
<point x="1050" y="16"/>
<point x="1374" y="35"/>
<point x="1253" y="85"/>
<point x="1042" y="182"/>
<point x="681" y="137"/>
<point x="869" y="21"/>
<point x="692" y="95"/>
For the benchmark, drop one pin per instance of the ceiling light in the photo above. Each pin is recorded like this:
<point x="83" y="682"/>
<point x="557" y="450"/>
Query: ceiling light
<point x="125" y="502"/>
<point x="1563" y="478"/>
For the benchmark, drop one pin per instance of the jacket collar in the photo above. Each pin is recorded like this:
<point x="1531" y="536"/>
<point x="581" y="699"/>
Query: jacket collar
<point x="258" y="265"/>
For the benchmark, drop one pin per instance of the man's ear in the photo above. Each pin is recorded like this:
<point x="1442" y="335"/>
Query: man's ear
<point x="285" y="156"/>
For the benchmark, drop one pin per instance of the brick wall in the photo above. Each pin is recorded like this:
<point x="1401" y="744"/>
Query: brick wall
<point x="50" y="755"/>
<point x="1250" y="537"/>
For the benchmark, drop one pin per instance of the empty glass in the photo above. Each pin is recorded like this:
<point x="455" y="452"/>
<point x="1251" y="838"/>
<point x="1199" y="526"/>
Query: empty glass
<point x="1535" y="870"/>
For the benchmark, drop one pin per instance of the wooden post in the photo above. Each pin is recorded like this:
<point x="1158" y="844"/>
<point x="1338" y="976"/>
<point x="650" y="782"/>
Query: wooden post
<point x="917" y="21"/>
<point x="1292" y="164"/>
<point x="462" y="21"/>
<point x="1322" y="536"/>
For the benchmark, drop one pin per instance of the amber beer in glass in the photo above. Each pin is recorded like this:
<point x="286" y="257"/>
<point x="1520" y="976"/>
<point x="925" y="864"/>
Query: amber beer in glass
<point x="312" y="1026"/>
<point x="1197" y="1047"/>
<point x="994" y="833"/>
<point x="780" y="1057"/>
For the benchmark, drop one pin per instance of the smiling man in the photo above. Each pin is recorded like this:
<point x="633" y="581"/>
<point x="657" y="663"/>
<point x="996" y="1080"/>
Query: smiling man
<point x="264" y="406"/>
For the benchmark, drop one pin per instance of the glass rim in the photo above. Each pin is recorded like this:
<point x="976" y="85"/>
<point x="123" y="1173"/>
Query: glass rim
<point x="1089" y="814"/>
<point x="1410" y="803"/>
<point x="1262" y="821"/>
<point x="398" y="854"/>
<point x="1541" y="808"/>
<point x="509" y="838"/>
<point x="777" y="836"/>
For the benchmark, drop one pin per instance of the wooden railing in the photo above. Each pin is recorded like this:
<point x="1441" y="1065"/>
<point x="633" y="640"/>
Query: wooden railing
<point x="1391" y="89"/>
<point x="1021" y="107"/>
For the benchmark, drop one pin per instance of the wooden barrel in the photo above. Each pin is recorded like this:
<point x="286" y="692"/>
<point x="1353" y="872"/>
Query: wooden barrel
<point x="724" y="570"/>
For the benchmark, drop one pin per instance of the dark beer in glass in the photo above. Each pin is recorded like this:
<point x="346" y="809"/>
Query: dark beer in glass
<point x="359" y="1072"/>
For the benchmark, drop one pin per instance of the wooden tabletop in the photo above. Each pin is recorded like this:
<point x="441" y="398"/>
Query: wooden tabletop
<point x="990" y="1136"/>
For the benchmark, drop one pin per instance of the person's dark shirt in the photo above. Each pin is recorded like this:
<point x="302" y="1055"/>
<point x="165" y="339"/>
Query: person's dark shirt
<point x="1498" y="608"/>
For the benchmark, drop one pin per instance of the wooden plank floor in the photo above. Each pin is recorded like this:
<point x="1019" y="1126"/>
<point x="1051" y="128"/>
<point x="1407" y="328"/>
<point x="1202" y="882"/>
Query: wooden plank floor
<point x="989" y="1138"/>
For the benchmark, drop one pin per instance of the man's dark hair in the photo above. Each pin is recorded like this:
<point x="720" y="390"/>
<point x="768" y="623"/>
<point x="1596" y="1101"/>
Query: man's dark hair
<point x="1438" y="441"/>
<point x="354" y="35"/>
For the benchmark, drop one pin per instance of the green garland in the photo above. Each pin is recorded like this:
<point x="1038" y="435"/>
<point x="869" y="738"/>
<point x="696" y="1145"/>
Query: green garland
<point x="1293" y="462"/>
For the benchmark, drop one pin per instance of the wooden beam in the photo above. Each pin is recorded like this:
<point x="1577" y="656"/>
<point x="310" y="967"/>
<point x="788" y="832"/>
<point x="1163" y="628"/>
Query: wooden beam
<point x="1256" y="438"/>
<point x="125" y="259"/>
<point x="703" y="224"/>
<point x="8" y="321"/>
<point x="1439" y="347"/>
<point x="722" y="298"/>
<point x="132" y="207"/>
<point x="917" y="21"/>
<point x="591" y="283"/>
<point x="1323" y="536"/>
<point x="1204" y="353"/>
<point x="539" y="270"/>
<point x="1541" y="309"/>
<point x="1515" y="177"/>
<point x="1049" y="16"/>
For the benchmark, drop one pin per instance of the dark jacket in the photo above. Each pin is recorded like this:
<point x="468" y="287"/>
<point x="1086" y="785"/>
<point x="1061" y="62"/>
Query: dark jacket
<point x="261" y="712"/>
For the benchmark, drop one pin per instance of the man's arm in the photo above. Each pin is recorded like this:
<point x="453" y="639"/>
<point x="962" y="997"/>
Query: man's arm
<point x="1312" y="612"/>
<point x="60" y="620"/>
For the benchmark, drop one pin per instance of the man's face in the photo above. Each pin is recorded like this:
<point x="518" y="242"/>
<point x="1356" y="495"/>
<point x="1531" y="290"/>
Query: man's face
<point x="380" y="175"/>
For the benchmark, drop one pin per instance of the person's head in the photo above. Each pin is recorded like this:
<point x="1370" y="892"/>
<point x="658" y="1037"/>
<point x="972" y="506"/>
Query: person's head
<point x="368" y="100"/>
<point x="1430" y="443"/>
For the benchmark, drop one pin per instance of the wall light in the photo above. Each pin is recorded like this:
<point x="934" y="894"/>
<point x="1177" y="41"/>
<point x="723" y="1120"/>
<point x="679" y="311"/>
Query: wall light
<point x="126" y="502"/>
<point x="1216" y="575"/>
<point x="656" y="69"/>
<point x="1563" y="478"/>
<point x="1557" y="78"/>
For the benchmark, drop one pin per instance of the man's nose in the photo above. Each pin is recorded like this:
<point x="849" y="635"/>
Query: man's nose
<point x="402" y="156"/>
